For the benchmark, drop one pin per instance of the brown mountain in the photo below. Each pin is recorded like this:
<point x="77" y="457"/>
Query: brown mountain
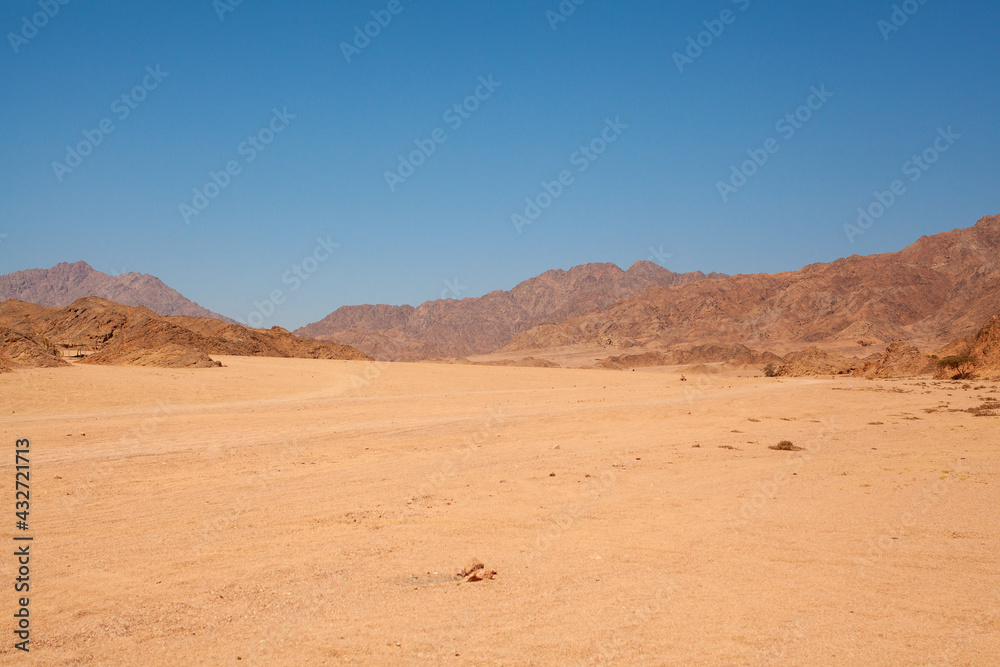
<point x="34" y="336"/>
<point x="456" y="328"/>
<point x="937" y="289"/>
<point x="65" y="283"/>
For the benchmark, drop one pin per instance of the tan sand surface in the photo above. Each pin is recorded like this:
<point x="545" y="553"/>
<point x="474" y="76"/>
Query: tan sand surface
<point x="285" y="512"/>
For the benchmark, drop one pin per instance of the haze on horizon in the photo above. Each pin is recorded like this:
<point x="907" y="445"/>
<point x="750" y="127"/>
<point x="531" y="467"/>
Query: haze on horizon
<point x="614" y="114"/>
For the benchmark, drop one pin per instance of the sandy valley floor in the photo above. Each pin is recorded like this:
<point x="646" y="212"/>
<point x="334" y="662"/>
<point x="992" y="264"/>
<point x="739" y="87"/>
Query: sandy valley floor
<point x="281" y="512"/>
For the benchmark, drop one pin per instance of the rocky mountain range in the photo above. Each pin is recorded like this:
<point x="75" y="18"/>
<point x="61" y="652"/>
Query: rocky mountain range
<point x="65" y="283"/>
<point x="940" y="288"/>
<point x="933" y="294"/>
<point x="457" y="328"/>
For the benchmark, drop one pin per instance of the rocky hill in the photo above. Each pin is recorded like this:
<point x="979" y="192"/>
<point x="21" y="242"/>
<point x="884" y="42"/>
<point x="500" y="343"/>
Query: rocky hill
<point x="65" y="283"/>
<point x="986" y="346"/>
<point x="34" y="336"/>
<point x="940" y="288"/>
<point x="983" y="346"/>
<point x="458" y="328"/>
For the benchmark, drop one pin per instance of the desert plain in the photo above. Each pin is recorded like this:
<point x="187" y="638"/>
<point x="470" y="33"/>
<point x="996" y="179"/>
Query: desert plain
<point x="315" y="512"/>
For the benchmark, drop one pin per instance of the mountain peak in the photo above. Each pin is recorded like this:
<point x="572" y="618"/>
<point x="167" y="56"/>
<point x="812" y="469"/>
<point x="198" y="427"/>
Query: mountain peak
<point x="79" y="267"/>
<point x="646" y="265"/>
<point x="66" y="282"/>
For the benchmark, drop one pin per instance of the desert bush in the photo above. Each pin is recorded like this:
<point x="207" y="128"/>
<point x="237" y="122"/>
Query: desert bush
<point x="785" y="446"/>
<point x="770" y="370"/>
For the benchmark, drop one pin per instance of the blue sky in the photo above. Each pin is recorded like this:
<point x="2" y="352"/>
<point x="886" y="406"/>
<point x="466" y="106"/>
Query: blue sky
<point x="555" y="85"/>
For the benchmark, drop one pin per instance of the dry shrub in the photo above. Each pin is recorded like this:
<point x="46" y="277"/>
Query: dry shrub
<point x="785" y="446"/>
<point x="988" y="408"/>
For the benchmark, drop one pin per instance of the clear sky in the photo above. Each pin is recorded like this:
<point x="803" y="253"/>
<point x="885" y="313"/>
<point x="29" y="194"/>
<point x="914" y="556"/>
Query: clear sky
<point x="660" y="132"/>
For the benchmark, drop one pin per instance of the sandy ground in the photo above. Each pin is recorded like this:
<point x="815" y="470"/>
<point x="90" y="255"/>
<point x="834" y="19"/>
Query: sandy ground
<point x="282" y="512"/>
<point x="570" y="356"/>
<point x="583" y="355"/>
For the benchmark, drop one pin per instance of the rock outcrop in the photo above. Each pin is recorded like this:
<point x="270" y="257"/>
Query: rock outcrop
<point x="104" y="332"/>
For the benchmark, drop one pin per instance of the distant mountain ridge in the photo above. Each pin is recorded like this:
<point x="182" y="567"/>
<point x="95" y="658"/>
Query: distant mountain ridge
<point x="937" y="289"/>
<point x="65" y="283"/>
<point x="456" y="328"/>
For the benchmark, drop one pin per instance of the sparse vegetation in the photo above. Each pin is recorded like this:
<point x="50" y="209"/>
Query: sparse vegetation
<point x="988" y="408"/>
<point x="962" y="366"/>
<point x="770" y="371"/>
<point x="50" y="347"/>
<point x="786" y="446"/>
